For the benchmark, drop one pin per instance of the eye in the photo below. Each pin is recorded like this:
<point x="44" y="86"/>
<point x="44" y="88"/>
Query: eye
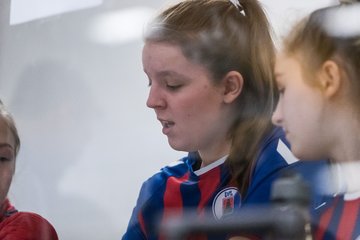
<point x="4" y="159"/>
<point x="6" y="154"/>
<point x="173" y="87"/>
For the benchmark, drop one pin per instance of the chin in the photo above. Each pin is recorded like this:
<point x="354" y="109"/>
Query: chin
<point x="180" y="147"/>
<point x="176" y="146"/>
<point x="302" y="154"/>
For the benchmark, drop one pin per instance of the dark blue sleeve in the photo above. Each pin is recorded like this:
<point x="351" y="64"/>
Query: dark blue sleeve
<point x="273" y="162"/>
<point x="266" y="169"/>
<point x="148" y="206"/>
<point x="134" y="230"/>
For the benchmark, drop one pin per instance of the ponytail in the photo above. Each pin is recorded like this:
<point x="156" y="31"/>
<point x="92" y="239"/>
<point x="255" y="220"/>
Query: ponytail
<point x="258" y="98"/>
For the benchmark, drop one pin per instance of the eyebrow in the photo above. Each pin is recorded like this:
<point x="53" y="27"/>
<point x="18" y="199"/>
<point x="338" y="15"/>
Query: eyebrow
<point x="166" y="73"/>
<point x="171" y="74"/>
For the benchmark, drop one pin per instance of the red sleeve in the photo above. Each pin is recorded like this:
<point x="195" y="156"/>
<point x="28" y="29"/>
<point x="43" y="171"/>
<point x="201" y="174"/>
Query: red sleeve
<point x="26" y="226"/>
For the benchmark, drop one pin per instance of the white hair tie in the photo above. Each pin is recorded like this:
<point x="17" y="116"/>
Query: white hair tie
<point x="238" y="5"/>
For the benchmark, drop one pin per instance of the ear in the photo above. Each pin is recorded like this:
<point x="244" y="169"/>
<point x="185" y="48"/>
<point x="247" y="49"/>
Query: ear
<point x="233" y="83"/>
<point x="330" y="78"/>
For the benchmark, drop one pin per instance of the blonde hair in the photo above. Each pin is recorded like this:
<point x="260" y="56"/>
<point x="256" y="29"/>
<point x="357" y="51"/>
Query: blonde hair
<point x="314" y="42"/>
<point x="9" y="121"/>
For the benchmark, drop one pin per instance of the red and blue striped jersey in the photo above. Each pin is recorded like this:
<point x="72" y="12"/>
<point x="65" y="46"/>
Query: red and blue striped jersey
<point x="178" y="187"/>
<point x="338" y="219"/>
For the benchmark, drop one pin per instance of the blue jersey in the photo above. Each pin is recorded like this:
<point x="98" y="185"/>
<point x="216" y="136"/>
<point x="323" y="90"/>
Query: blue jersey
<point x="179" y="186"/>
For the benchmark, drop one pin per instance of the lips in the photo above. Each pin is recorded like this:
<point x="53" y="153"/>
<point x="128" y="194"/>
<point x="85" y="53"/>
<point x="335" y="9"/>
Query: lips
<point x="167" y="125"/>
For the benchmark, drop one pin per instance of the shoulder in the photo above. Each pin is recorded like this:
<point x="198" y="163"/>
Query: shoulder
<point x="175" y="169"/>
<point x="150" y="199"/>
<point x="274" y="156"/>
<point x="276" y="159"/>
<point x="275" y="151"/>
<point x="156" y="184"/>
<point x="27" y="225"/>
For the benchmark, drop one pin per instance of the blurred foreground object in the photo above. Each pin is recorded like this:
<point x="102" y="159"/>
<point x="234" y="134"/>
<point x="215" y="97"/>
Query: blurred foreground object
<point x="348" y="1"/>
<point x="286" y="218"/>
<point x="341" y="22"/>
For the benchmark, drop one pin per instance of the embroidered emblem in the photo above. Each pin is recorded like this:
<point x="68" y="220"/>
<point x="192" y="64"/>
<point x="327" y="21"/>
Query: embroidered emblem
<point x="226" y="202"/>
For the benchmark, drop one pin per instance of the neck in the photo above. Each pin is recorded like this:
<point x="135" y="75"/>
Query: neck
<point x="341" y="126"/>
<point x="346" y="148"/>
<point x="209" y="157"/>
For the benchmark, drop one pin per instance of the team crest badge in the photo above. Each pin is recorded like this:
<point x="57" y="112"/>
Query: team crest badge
<point x="226" y="202"/>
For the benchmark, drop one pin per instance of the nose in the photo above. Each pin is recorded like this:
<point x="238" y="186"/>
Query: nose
<point x="277" y="116"/>
<point x="155" y="99"/>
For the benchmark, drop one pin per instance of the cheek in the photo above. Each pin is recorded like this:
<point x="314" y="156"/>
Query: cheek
<point x="202" y="110"/>
<point x="208" y="99"/>
<point x="5" y="181"/>
<point x="306" y="133"/>
<point x="289" y="109"/>
<point x="194" y="103"/>
<point x="309" y="109"/>
<point x="296" y="106"/>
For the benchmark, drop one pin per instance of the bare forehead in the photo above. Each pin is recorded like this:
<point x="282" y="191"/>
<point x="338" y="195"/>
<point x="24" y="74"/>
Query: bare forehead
<point x="165" y="59"/>
<point x="285" y="62"/>
<point x="161" y="48"/>
<point x="159" y="55"/>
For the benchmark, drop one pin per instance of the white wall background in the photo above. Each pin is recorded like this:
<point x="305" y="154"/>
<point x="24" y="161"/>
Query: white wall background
<point x="78" y="95"/>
